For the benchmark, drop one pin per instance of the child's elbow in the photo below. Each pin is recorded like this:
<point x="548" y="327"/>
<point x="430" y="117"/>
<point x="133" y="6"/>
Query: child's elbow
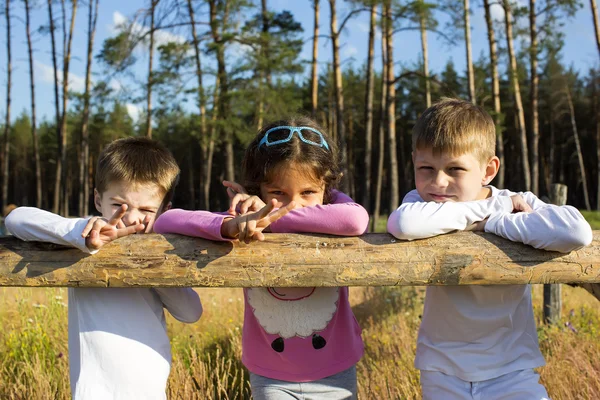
<point x="193" y="315"/>
<point x="401" y="226"/>
<point x="15" y="218"/>
<point x="359" y="224"/>
<point x="579" y="236"/>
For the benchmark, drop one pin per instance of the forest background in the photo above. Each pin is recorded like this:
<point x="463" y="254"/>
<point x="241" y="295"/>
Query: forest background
<point x="202" y="76"/>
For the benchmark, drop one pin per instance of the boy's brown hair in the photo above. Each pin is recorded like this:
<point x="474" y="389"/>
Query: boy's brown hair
<point x="261" y="164"/>
<point x="457" y="127"/>
<point x="137" y="160"/>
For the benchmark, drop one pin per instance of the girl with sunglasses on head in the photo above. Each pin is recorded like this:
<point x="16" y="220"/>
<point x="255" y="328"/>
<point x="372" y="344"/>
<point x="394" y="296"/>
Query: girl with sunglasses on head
<point x="296" y="342"/>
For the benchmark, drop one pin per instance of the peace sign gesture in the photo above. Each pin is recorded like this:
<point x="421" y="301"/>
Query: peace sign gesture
<point x="100" y="231"/>
<point x="249" y="227"/>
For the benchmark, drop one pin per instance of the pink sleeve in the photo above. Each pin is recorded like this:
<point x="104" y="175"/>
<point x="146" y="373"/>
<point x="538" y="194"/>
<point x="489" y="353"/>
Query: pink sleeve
<point x="204" y="224"/>
<point x="342" y="217"/>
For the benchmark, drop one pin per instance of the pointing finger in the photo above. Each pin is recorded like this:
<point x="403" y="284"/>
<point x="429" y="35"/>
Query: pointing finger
<point x="114" y="220"/>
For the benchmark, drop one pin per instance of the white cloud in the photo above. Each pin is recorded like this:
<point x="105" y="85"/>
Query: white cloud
<point x="46" y="74"/>
<point x="497" y="12"/>
<point x="133" y="111"/>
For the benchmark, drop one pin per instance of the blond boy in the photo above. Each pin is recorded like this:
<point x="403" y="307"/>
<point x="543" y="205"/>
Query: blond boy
<point x="476" y="342"/>
<point x="118" y="344"/>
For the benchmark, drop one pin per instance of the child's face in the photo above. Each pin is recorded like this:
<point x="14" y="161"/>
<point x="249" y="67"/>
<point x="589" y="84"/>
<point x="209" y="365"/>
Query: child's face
<point x="142" y="200"/>
<point x="294" y="183"/>
<point x="445" y="177"/>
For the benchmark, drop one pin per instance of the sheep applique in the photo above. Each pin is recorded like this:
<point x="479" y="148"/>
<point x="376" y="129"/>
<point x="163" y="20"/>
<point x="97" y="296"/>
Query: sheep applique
<point x="291" y="312"/>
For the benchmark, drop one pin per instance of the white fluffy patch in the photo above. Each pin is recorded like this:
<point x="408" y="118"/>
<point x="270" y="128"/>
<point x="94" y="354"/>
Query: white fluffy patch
<point x="294" y="318"/>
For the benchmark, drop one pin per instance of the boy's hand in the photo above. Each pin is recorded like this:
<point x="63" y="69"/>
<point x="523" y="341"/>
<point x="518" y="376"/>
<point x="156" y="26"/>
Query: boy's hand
<point x="100" y="231"/>
<point x="520" y="205"/>
<point x="249" y="227"/>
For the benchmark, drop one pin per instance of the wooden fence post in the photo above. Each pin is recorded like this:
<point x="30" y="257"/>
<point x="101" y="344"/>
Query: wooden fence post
<point x="552" y="300"/>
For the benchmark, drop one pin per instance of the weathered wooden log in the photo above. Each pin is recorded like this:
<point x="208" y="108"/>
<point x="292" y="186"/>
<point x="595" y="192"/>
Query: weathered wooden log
<point x="464" y="258"/>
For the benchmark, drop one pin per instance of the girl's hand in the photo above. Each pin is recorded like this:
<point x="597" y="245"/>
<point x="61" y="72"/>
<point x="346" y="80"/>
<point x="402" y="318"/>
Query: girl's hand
<point x="249" y="227"/>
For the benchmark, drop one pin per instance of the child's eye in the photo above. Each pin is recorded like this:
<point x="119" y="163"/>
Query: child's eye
<point x="116" y="205"/>
<point x="425" y="167"/>
<point x="147" y="211"/>
<point x="308" y="192"/>
<point x="457" y="169"/>
<point x="276" y="192"/>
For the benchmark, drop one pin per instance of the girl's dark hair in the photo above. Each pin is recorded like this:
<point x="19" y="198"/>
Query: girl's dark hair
<point x="261" y="163"/>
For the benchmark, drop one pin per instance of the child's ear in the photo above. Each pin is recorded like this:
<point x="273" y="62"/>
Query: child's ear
<point x="98" y="201"/>
<point x="167" y="207"/>
<point x="491" y="169"/>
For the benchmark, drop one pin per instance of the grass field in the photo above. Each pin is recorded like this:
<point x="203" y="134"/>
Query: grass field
<point x="33" y="346"/>
<point x="34" y="354"/>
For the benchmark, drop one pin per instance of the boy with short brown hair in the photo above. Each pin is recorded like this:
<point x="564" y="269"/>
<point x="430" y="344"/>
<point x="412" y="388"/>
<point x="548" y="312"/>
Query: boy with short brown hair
<point x="118" y="344"/>
<point x="476" y="341"/>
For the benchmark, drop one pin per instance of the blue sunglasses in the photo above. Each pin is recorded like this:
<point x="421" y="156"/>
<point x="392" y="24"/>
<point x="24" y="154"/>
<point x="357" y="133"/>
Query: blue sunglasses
<point x="298" y="129"/>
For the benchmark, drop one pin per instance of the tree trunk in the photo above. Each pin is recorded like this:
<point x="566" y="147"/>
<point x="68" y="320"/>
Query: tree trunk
<point x="535" y="123"/>
<point x="578" y="149"/>
<point x="57" y="181"/>
<point x="495" y="92"/>
<point x="339" y="97"/>
<point x="84" y="189"/>
<point x="597" y="111"/>
<point x="423" y="30"/>
<point x="36" y="153"/>
<point x="366" y="188"/>
<point x="596" y="24"/>
<point x="205" y="142"/>
<point x="382" y="114"/>
<point x="470" y="73"/>
<point x="211" y="147"/>
<point x="223" y="104"/>
<point x="552" y="300"/>
<point x="391" y="113"/>
<point x="65" y="99"/>
<point x="150" y="82"/>
<point x="514" y="77"/>
<point x="263" y="65"/>
<point x="6" y="147"/>
<point x="315" y="75"/>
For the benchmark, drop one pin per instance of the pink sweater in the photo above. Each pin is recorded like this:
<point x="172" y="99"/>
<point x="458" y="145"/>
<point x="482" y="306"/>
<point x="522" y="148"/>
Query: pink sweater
<point x="292" y="334"/>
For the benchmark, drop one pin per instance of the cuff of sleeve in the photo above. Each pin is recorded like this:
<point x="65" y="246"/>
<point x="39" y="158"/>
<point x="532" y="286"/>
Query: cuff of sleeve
<point x="74" y="237"/>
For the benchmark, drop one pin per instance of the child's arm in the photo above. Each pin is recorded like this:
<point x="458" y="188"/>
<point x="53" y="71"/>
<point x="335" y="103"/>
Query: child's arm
<point x="33" y="224"/>
<point x="418" y="219"/>
<point x="203" y="224"/>
<point x="183" y="303"/>
<point x="548" y="227"/>
<point x="341" y="217"/>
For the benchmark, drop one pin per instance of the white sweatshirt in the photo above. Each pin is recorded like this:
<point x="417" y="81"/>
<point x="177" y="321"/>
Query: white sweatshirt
<point x="118" y="343"/>
<point x="478" y="333"/>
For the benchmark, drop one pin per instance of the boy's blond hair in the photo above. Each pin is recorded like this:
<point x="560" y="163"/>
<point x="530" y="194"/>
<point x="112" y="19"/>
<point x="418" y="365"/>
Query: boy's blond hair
<point x="456" y="127"/>
<point x="137" y="160"/>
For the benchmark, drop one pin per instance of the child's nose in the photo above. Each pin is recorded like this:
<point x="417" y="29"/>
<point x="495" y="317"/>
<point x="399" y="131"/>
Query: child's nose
<point x="132" y="217"/>
<point x="441" y="179"/>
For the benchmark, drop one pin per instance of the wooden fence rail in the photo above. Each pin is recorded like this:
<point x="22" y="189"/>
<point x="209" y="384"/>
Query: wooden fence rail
<point x="290" y="260"/>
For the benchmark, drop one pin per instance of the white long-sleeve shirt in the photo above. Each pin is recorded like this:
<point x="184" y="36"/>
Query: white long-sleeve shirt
<point x="118" y="343"/>
<point x="478" y="333"/>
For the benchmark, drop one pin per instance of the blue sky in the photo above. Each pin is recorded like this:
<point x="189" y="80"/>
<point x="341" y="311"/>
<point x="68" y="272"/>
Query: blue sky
<point x="580" y="49"/>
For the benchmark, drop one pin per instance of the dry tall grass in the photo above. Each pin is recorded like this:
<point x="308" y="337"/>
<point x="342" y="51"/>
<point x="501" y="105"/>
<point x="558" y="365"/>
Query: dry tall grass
<point x="33" y="345"/>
